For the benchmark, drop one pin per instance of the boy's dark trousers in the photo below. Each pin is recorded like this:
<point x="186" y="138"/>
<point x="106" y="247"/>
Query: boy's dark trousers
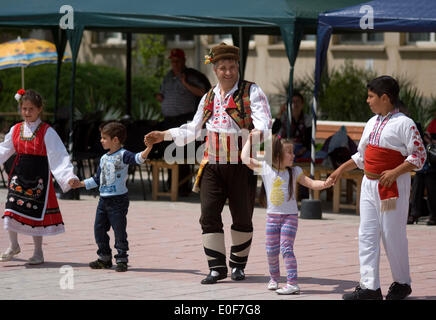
<point x="112" y="212"/>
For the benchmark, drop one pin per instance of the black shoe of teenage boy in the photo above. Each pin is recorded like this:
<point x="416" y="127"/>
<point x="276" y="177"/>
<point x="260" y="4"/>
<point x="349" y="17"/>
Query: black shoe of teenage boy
<point x="121" y="267"/>
<point x="398" y="291"/>
<point x="363" y="294"/>
<point x="215" y="275"/>
<point x="238" y="274"/>
<point x="100" y="264"/>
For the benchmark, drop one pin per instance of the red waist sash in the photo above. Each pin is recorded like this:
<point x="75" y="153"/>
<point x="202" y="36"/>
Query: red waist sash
<point x="377" y="160"/>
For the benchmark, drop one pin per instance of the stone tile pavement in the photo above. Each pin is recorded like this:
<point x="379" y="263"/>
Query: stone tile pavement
<point x="166" y="259"/>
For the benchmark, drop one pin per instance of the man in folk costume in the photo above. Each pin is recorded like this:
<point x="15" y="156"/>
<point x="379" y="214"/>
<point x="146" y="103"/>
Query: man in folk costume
<point x="390" y="147"/>
<point x="229" y="108"/>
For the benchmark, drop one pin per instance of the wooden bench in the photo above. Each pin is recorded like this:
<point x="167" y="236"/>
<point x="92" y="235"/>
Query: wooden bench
<point x="355" y="175"/>
<point x="325" y="129"/>
<point x="156" y="165"/>
<point x="173" y="193"/>
<point x="321" y="173"/>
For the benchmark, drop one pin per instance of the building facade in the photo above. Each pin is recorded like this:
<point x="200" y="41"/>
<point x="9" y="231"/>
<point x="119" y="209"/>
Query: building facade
<point x="408" y="55"/>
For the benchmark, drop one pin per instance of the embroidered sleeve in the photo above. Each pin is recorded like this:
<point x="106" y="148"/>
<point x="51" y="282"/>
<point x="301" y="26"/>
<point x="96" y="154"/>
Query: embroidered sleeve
<point x="188" y="132"/>
<point x="260" y="109"/>
<point x="7" y="147"/>
<point x="415" y="147"/>
<point x="59" y="160"/>
<point x="359" y="156"/>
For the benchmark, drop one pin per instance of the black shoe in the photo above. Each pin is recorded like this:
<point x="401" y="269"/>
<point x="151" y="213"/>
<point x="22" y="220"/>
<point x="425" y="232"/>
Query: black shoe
<point x="398" y="291"/>
<point x="412" y="220"/>
<point x="238" y="274"/>
<point x="121" y="267"/>
<point x="211" y="279"/>
<point x="431" y="222"/>
<point x="100" y="264"/>
<point x="363" y="294"/>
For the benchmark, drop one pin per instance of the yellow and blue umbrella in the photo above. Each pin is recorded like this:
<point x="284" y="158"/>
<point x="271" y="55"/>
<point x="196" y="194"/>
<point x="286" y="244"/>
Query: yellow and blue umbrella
<point x="27" y="52"/>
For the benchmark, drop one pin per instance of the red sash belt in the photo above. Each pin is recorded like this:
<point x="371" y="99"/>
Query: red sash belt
<point x="377" y="160"/>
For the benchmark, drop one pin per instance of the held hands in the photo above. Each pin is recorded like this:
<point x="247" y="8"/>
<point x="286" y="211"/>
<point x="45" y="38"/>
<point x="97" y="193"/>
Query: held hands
<point x="335" y="176"/>
<point x="75" y="183"/>
<point x="153" y="138"/>
<point x="328" y="183"/>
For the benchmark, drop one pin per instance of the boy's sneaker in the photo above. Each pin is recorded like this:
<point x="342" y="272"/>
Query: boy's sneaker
<point x="272" y="285"/>
<point x="398" y="291"/>
<point x="289" y="289"/>
<point x="121" y="267"/>
<point x="363" y="294"/>
<point x="100" y="264"/>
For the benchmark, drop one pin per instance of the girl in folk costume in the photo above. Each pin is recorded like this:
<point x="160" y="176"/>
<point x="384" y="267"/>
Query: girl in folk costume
<point x="389" y="149"/>
<point x="31" y="206"/>
<point x="279" y="184"/>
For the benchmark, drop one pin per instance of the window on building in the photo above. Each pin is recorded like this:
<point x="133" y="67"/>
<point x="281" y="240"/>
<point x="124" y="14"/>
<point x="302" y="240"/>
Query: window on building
<point x="227" y="38"/>
<point x="361" y="38"/>
<point x="278" y="39"/>
<point x="111" y="38"/>
<point x="421" y="38"/>
<point x="179" y="40"/>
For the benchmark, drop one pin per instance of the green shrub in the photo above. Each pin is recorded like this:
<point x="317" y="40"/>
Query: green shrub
<point x="99" y="90"/>
<point x="343" y="94"/>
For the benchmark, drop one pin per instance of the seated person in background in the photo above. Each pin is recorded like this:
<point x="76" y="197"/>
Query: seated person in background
<point x="430" y="179"/>
<point x="338" y="149"/>
<point x="301" y="127"/>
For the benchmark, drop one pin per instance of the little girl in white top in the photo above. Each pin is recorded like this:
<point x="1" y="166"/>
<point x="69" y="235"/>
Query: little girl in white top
<point x="279" y="185"/>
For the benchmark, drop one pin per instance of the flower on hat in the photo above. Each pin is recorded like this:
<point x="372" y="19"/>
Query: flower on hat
<point x="208" y="58"/>
<point x="19" y="94"/>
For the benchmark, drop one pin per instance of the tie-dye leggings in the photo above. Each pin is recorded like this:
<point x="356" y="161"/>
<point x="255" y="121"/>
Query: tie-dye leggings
<point x="280" y="235"/>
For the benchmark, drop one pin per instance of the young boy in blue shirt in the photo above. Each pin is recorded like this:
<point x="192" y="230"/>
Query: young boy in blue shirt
<point x="113" y="205"/>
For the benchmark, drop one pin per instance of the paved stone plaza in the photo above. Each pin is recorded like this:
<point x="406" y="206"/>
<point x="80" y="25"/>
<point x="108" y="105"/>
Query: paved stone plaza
<point x="167" y="262"/>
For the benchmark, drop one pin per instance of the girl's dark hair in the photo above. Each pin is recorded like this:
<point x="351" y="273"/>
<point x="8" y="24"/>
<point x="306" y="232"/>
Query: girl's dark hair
<point x="278" y="144"/>
<point x="32" y="96"/>
<point x="115" y="129"/>
<point x="385" y="85"/>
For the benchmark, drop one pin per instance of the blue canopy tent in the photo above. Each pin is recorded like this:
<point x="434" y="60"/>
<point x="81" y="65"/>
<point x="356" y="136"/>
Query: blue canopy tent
<point x="386" y="15"/>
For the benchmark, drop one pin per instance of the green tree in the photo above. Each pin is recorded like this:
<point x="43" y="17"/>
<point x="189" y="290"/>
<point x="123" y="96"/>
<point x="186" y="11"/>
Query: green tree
<point x="151" y="55"/>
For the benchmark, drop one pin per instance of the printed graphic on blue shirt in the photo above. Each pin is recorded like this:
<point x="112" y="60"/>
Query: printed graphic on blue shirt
<point x="109" y="170"/>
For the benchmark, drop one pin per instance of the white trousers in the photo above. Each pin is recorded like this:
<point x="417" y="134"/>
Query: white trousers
<point x="390" y="226"/>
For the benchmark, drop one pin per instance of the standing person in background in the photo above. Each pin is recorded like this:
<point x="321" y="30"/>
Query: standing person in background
<point x="384" y="199"/>
<point x="180" y="93"/>
<point x="226" y="111"/>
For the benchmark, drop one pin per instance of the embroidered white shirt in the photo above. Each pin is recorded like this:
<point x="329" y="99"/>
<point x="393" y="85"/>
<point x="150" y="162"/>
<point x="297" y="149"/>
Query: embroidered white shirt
<point x="400" y="134"/>
<point x="220" y="121"/>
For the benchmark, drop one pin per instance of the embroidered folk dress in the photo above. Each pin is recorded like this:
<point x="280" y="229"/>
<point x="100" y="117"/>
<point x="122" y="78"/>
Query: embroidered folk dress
<point x="31" y="204"/>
